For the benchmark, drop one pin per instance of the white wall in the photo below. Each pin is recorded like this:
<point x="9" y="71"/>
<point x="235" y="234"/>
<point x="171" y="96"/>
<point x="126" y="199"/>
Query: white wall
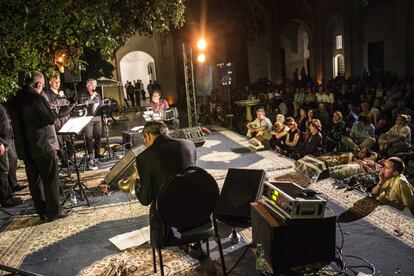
<point x="133" y="66"/>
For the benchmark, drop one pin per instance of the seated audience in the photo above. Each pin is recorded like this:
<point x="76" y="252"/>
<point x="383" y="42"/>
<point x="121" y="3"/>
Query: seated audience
<point x="313" y="143"/>
<point x="157" y="103"/>
<point x="279" y="134"/>
<point x="293" y="136"/>
<point x="379" y="121"/>
<point x="301" y="120"/>
<point x="323" y="116"/>
<point x="393" y="188"/>
<point x="336" y="131"/>
<point x="260" y="127"/>
<point x="398" y="138"/>
<point x="362" y="135"/>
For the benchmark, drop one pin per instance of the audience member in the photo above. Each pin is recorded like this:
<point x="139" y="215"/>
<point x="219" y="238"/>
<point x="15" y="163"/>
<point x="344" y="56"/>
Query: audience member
<point x="362" y="135"/>
<point x="398" y="138"/>
<point x="393" y="188"/>
<point x="336" y="131"/>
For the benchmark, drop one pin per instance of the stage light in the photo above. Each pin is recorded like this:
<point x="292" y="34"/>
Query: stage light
<point x="201" y="44"/>
<point x="201" y="57"/>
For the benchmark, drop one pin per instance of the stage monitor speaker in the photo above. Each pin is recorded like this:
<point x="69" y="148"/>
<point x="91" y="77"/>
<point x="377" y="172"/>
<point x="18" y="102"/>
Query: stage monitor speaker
<point x="194" y="134"/>
<point x="241" y="187"/>
<point x="298" y="243"/>
<point x="72" y="76"/>
<point x="123" y="168"/>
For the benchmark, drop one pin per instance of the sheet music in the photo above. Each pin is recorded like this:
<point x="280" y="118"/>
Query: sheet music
<point x="75" y="125"/>
<point x="131" y="239"/>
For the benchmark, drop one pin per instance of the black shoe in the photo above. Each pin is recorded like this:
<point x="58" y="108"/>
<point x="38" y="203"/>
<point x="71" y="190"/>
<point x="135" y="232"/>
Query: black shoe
<point x="11" y="202"/>
<point x="99" y="156"/>
<point x="18" y="188"/>
<point x="62" y="214"/>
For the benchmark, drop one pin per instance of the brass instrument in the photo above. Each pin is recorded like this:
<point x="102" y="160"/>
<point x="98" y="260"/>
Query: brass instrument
<point x="124" y="173"/>
<point x="127" y="184"/>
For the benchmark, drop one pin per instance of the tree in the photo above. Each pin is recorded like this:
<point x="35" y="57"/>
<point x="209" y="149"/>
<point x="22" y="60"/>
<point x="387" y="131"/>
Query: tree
<point x="34" y="33"/>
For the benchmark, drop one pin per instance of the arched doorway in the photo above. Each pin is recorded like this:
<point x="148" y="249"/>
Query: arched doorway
<point x="295" y="46"/>
<point x="137" y="65"/>
<point x="339" y="66"/>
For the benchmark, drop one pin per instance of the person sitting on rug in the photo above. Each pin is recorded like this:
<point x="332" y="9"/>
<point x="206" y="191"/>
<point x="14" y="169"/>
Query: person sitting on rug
<point x="293" y="136"/>
<point x="279" y="133"/>
<point x="260" y="128"/>
<point x="362" y="135"/>
<point x="313" y="143"/>
<point x="393" y="187"/>
<point x="336" y="131"/>
<point x="398" y="138"/>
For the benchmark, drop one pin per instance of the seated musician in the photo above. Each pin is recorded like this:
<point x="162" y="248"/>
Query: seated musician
<point x="158" y="104"/>
<point x="261" y="127"/>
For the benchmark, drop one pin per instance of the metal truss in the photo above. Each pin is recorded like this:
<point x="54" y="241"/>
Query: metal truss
<point x="190" y="91"/>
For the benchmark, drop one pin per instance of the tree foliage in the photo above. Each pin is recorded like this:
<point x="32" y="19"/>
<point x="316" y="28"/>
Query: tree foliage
<point x="33" y="32"/>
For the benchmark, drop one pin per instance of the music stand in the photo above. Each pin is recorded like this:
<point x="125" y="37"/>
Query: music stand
<point x="73" y="127"/>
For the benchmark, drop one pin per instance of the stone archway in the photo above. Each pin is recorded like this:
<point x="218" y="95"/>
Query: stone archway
<point x="295" y="43"/>
<point x="137" y="65"/>
<point x="338" y="66"/>
<point x="335" y="47"/>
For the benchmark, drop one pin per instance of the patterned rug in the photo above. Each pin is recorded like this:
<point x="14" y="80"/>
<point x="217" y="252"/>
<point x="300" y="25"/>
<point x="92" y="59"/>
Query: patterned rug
<point x="138" y="261"/>
<point x="25" y="236"/>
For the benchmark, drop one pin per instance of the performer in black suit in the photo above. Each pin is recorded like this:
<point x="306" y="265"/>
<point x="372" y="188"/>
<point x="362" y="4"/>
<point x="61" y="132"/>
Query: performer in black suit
<point x="93" y="131"/>
<point x="31" y="115"/>
<point x="163" y="157"/>
<point x="6" y="198"/>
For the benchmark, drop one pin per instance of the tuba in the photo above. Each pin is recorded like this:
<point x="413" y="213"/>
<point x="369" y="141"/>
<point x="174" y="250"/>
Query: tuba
<point x="127" y="184"/>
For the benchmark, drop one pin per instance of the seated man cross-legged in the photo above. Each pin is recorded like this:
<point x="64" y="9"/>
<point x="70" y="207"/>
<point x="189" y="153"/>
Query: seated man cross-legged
<point x="259" y="130"/>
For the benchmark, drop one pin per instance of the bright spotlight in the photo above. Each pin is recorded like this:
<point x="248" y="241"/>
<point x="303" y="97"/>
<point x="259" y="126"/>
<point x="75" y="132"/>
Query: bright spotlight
<point x="201" y="44"/>
<point x="201" y="58"/>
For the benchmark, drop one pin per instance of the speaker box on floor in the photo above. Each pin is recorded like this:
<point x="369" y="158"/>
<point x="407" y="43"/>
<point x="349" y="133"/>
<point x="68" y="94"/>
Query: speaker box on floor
<point x="298" y="243"/>
<point x="240" y="188"/>
<point x="195" y="134"/>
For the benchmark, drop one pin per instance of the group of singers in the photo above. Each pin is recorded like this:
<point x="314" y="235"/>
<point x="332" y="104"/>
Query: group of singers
<point x="29" y="122"/>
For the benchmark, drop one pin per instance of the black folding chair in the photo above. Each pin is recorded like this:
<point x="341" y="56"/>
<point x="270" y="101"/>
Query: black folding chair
<point x="186" y="204"/>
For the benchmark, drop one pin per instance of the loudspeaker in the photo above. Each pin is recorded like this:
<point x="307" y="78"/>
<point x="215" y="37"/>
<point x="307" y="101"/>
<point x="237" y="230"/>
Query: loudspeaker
<point x="297" y="243"/>
<point x="72" y="76"/>
<point x="124" y="168"/>
<point x="241" y="187"/>
<point x="195" y="134"/>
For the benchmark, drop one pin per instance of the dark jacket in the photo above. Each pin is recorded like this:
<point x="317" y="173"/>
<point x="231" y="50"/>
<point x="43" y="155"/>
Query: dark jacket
<point x="165" y="157"/>
<point x="55" y="99"/>
<point x="52" y="136"/>
<point x="4" y="126"/>
<point x="313" y="145"/>
<point x="30" y="115"/>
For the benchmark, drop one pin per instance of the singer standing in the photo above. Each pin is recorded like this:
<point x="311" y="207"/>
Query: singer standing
<point x="30" y="116"/>
<point x="93" y="130"/>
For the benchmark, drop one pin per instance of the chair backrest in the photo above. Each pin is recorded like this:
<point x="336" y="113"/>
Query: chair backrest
<point x="187" y="199"/>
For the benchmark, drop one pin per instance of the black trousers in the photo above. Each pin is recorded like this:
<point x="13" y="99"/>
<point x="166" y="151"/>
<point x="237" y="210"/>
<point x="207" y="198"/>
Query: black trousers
<point x="5" y="190"/>
<point x="43" y="179"/>
<point x="93" y="133"/>
<point x="12" y="156"/>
